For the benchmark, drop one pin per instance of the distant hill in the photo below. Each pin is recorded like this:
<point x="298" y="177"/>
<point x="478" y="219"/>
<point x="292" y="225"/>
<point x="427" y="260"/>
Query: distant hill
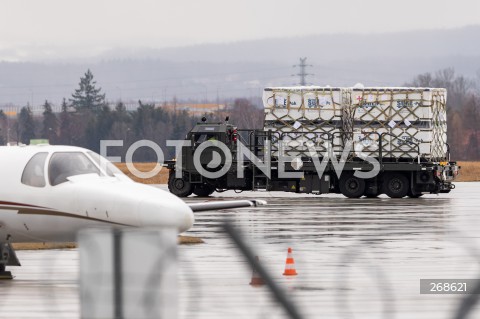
<point x="328" y="48"/>
<point x="242" y="69"/>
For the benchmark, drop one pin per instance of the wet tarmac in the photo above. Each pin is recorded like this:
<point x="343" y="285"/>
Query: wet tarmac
<point x="355" y="259"/>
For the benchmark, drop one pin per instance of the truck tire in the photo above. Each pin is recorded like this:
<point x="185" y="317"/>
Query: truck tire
<point x="396" y="185"/>
<point x="351" y="186"/>
<point x="179" y="186"/>
<point x="203" y="190"/>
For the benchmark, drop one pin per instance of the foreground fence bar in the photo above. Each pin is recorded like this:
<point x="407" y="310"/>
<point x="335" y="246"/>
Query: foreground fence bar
<point x="128" y="273"/>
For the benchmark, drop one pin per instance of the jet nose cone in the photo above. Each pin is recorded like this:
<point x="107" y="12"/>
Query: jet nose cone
<point x="189" y="219"/>
<point x="171" y="212"/>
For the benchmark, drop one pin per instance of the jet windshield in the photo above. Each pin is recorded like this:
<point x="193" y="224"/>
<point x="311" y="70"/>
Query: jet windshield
<point x="64" y="165"/>
<point x="105" y="165"/>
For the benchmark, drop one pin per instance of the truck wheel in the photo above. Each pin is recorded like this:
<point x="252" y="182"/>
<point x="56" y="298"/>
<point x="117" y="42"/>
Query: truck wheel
<point x="396" y="185"/>
<point x="351" y="186"/>
<point x="179" y="186"/>
<point x="203" y="190"/>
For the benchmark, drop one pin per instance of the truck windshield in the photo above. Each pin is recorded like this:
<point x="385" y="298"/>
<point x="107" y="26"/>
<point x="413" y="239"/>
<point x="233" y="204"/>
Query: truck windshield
<point x="200" y="138"/>
<point x="64" y="165"/>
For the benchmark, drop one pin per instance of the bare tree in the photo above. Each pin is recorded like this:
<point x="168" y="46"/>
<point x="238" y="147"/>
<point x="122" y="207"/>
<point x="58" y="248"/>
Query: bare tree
<point x="246" y="115"/>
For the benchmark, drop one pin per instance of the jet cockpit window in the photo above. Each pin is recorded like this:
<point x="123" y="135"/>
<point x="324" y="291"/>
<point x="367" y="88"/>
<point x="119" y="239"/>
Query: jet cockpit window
<point x="64" y="165"/>
<point x="110" y="169"/>
<point x="33" y="174"/>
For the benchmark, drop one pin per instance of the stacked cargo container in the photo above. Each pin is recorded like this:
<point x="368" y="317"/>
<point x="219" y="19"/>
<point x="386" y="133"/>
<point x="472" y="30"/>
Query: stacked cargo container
<point x="395" y="123"/>
<point x="304" y="116"/>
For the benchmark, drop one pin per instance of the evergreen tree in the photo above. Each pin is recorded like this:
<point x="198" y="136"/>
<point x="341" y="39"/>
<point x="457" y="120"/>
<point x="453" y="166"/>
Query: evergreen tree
<point x="65" y="125"/>
<point x="26" y="125"/>
<point x="87" y="96"/>
<point x="4" y="127"/>
<point x="120" y="114"/>
<point x="50" y="123"/>
<point x="144" y="127"/>
<point x="144" y="120"/>
<point x="180" y="125"/>
<point x="121" y="129"/>
<point x="104" y="122"/>
<point x="91" y="137"/>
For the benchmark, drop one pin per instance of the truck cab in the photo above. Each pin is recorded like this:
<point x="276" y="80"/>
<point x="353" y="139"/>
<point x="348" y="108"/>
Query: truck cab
<point x="210" y="137"/>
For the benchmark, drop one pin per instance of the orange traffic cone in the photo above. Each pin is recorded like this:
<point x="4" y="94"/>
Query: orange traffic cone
<point x="290" y="265"/>
<point x="257" y="280"/>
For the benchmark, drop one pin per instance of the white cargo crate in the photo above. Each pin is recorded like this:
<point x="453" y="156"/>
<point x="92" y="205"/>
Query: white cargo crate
<point x="295" y="103"/>
<point x="398" y="105"/>
<point x="400" y="142"/>
<point x="411" y="116"/>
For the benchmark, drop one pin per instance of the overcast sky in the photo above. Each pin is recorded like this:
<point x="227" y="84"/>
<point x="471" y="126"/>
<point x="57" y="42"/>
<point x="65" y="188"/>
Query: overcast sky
<point x="41" y="28"/>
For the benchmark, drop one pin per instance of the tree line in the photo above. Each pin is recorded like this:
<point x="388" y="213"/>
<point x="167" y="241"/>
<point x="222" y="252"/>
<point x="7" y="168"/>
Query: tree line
<point x="463" y="111"/>
<point x="86" y="118"/>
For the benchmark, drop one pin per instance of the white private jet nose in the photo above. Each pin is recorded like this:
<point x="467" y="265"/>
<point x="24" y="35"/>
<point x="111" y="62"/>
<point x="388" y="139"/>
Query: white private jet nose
<point x="169" y="211"/>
